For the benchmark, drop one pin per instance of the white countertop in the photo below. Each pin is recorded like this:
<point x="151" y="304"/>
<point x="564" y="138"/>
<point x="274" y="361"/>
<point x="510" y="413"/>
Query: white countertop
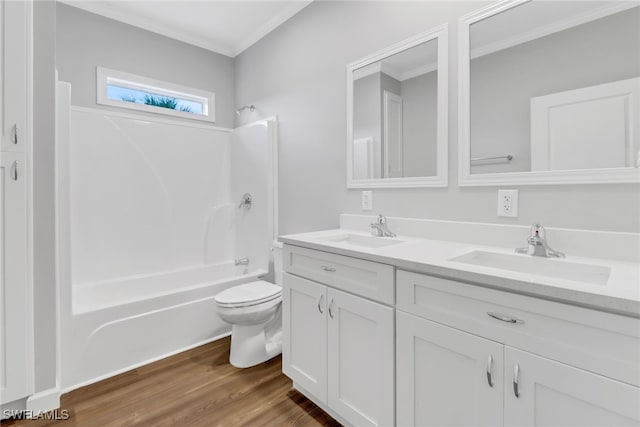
<point x="621" y="293"/>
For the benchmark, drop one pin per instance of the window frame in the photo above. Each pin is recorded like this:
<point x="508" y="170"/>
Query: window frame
<point x="106" y="77"/>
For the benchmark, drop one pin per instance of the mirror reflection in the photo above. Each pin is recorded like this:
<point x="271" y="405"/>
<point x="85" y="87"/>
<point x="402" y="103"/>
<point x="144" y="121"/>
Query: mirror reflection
<point x="555" y="86"/>
<point x="395" y="115"/>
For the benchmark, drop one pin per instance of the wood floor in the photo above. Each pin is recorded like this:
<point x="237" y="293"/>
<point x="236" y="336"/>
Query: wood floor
<point x="195" y="388"/>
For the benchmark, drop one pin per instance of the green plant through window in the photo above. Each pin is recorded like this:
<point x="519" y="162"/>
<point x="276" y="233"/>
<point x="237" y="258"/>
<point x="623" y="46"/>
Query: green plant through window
<point x="155" y="100"/>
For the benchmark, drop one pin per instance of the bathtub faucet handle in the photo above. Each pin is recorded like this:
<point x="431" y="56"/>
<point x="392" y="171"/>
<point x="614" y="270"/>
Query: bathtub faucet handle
<point x="246" y="201"/>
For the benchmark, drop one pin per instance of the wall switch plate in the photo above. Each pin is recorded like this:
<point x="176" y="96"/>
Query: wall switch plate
<point x="508" y="203"/>
<point x="367" y="200"/>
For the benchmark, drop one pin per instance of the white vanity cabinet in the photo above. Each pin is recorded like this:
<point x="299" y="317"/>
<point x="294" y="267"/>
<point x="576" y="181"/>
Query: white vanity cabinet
<point x="446" y="377"/>
<point x="13" y="63"/>
<point x="549" y="364"/>
<point x="15" y="294"/>
<point x="339" y="346"/>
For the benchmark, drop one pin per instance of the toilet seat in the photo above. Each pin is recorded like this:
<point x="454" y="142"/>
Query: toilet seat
<point x="248" y="294"/>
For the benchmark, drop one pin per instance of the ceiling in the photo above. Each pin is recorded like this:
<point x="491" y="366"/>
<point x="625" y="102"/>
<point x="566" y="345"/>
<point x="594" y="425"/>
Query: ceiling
<point x="223" y="26"/>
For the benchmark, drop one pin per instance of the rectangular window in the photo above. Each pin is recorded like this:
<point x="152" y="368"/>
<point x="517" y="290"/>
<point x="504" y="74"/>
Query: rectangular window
<point x="124" y="90"/>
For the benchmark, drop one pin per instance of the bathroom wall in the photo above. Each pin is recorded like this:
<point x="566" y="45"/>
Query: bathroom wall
<point x="503" y="83"/>
<point x="419" y="133"/>
<point x="298" y="72"/>
<point x="85" y="40"/>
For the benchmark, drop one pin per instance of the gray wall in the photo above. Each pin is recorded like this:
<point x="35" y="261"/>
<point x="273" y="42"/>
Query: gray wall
<point x="420" y="124"/>
<point x="44" y="269"/>
<point x="298" y="73"/>
<point x="85" y="40"/>
<point x="503" y="83"/>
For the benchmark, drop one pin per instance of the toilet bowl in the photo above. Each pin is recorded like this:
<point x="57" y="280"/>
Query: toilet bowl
<point x="254" y="311"/>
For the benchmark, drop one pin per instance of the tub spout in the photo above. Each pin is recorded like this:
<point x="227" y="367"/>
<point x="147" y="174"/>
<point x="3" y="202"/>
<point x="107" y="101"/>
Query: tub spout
<point x="242" y="261"/>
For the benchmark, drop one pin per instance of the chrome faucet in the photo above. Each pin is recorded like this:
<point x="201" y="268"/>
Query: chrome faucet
<point x="380" y="229"/>
<point x="242" y="261"/>
<point x="537" y="244"/>
<point x="246" y="201"/>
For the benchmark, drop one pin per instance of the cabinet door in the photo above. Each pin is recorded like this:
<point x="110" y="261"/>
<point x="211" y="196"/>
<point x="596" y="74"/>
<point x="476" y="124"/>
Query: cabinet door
<point x="361" y="360"/>
<point x="304" y="322"/>
<point x="13" y="279"/>
<point x="554" y="394"/>
<point x="13" y="39"/>
<point x="444" y="375"/>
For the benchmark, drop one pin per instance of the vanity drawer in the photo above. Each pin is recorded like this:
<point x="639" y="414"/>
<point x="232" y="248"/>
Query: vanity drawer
<point x="604" y="343"/>
<point x="365" y="278"/>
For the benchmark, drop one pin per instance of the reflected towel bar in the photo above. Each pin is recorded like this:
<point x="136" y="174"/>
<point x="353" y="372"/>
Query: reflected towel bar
<point x="507" y="157"/>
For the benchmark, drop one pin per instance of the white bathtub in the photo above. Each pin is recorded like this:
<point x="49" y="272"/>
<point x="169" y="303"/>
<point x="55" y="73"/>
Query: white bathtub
<point x="118" y="325"/>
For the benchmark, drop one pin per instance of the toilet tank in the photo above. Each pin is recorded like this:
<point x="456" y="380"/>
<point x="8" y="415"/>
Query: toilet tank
<point x="277" y="262"/>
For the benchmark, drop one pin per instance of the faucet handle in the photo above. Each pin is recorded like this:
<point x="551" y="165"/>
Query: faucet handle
<point x="382" y="219"/>
<point x="537" y="230"/>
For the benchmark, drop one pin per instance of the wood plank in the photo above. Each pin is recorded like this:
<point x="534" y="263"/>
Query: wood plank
<point x="195" y="388"/>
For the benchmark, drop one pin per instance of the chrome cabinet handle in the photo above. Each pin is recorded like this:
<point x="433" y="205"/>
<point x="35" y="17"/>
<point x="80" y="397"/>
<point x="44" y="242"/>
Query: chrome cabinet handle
<point x="504" y="318"/>
<point x="331" y="308"/>
<point x="489" y="368"/>
<point x="14" y="134"/>
<point x="328" y="268"/>
<point x="15" y="170"/>
<point x="320" y="304"/>
<point x="516" y="374"/>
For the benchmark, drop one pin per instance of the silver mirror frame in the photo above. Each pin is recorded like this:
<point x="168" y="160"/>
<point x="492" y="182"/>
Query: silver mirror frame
<point x="465" y="178"/>
<point x="441" y="34"/>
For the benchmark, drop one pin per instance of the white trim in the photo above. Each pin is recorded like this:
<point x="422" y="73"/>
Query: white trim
<point x="44" y="401"/>
<point x="108" y="10"/>
<point x="465" y="177"/>
<point x="409" y="74"/>
<point x="149" y="118"/>
<point x="439" y="33"/>
<point x="29" y="197"/>
<point x="271" y="25"/>
<point x="553" y="27"/>
<point x="106" y="76"/>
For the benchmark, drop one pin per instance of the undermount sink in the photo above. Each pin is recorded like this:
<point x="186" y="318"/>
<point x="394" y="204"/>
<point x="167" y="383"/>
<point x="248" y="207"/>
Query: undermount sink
<point x="363" y="241"/>
<point x="548" y="267"/>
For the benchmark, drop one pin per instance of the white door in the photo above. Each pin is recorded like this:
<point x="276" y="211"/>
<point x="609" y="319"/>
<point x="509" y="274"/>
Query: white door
<point x="550" y="394"/>
<point x="393" y="138"/>
<point x="13" y="40"/>
<point x="14" y="382"/>
<point x="304" y="322"/>
<point x="587" y="128"/>
<point x="446" y="377"/>
<point x="361" y="360"/>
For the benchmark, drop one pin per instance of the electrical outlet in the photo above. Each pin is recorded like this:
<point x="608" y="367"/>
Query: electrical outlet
<point x="367" y="200"/>
<point x="508" y="203"/>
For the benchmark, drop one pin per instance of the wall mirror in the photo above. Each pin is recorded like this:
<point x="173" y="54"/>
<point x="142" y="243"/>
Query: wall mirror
<point x="397" y="115"/>
<point x="549" y="93"/>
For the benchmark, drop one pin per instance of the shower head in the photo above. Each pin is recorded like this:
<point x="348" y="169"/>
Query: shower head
<point x="246" y="107"/>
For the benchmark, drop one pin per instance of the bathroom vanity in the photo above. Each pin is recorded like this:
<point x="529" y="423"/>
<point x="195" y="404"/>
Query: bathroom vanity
<point x="420" y="331"/>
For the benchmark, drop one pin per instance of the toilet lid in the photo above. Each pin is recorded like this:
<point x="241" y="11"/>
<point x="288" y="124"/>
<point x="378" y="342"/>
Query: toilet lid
<point x="249" y="294"/>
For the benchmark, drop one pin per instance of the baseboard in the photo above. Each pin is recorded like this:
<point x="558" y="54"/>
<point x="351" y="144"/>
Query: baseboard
<point x="44" y="401"/>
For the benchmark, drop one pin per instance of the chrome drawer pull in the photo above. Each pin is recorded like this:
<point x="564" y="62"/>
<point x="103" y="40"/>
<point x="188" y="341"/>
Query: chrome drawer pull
<point x="504" y="318"/>
<point x="489" y="367"/>
<point x="15" y="171"/>
<point x="320" y="304"/>
<point x="331" y="308"/>
<point x="516" y="374"/>
<point x="327" y="268"/>
<point x="14" y="136"/>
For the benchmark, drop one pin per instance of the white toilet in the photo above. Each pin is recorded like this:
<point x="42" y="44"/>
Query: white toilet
<point x="255" y="312"/>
